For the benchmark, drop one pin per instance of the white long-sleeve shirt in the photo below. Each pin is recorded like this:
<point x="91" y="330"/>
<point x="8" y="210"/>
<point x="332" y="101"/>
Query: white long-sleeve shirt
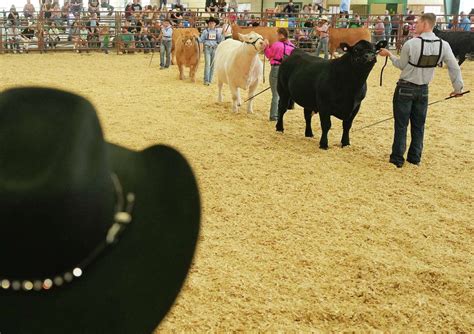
<point x="423" y="76"/>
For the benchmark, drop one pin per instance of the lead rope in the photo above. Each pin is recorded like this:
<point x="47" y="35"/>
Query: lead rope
<point x="381" y="71"/>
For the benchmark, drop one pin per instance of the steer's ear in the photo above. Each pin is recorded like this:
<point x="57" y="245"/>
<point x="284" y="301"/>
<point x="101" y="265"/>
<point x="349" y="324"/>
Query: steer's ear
<point x="381" y="44"/>
<point x="345" y="47"/>
<point x="241" y="37"/>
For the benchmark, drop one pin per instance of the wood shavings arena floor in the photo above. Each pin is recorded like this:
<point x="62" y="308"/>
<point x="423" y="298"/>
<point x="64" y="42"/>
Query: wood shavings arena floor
<point x="295" y="238"/>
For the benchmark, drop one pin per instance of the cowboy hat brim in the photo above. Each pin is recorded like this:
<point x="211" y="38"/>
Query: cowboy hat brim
<point x="213" y="19"/>
<point x="133" y="283"/>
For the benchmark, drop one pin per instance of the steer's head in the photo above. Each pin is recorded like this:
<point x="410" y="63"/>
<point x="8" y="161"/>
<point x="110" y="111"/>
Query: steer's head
<point x="188" y="39"/>
<point x="254" y="40"/>
<point x="363" y="52"/>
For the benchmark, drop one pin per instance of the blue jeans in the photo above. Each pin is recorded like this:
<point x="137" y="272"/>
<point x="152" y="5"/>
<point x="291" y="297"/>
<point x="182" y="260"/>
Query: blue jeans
<point x="163" y="4"/>
<point x="209" y="53"/>
<point x="323" y="43"/>
<point x="165" y="49"/>
<point x="275" y="98"/>
<point x="410" y="104"/>
<point x="388" y="30"/>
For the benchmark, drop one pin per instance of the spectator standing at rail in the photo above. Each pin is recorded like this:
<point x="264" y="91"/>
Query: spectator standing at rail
<point x="345" y="7"/>
<point x="210" y="38"/>
<point x="165" y="46"/>
<point x="379" y="30"/>
<point x="464" y="22"/>
<point x="410" y="101"/>
<point x="227" y="28"/>
<point x="387" y="23"/>
<point x="395" y="26"/>
<point x="28" y="9"/>
<point x="410" y="18"/>
<point x="106" y="4"/>
<point x="276" y="53"/>
<point x="154" y="35"/>
<point x="322" y="33"/>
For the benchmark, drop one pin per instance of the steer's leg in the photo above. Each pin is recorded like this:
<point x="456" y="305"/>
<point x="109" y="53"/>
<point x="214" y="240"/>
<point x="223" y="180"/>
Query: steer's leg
<point x="219" y="85"/>
<point x="325" y="119"/>
<point x="346" y="125"/>
<point x="192" y="73"/>
<point x="308" y="114"/>
<point x="181" y="71"/>
<point x="235" y="97"/>
<point x="252" y="89"/>
<point x="282" y="108"/>
<point x="239" y="100"/>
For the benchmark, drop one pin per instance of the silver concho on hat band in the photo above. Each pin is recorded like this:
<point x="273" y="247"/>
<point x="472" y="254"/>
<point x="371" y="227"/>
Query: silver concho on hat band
<point x="121" y="219"/>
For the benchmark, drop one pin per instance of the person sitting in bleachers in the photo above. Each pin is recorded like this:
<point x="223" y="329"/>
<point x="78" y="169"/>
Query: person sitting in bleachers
<point x="94" y="7"/>
<point x="104" y="38"/>
<point x="106" y="4"/>
<point x="13" y="18"/>
<point x="29" y="9"/>
<point x="27" y="36"/>
<point x="13" y="39"/>
<point x="75" y="6"/>
<point x="53" y="36"/>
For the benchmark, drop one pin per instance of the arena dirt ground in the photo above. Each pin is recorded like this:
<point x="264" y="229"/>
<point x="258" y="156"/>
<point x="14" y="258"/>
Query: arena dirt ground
<point x="295" y="238"/>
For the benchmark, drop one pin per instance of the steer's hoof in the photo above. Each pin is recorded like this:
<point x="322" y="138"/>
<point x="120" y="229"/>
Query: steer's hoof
<point x="324" y="147"/>
<point x="345" y="144"/>
<point x="308" y="134"/>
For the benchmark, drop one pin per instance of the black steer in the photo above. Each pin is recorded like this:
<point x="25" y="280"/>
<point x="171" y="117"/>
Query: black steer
<point x="461" y="42"/>
<point x="328" y="87"/>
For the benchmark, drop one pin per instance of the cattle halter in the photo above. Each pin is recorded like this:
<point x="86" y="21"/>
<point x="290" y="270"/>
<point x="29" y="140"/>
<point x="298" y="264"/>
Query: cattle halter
<point x="254" y="42"/>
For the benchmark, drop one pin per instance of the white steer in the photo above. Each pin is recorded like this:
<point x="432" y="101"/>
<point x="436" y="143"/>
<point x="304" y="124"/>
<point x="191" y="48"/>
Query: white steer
<point x="237" y="64"/>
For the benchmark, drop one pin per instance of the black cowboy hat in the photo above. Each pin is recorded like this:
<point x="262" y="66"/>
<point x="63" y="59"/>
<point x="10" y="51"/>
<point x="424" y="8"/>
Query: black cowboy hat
<point x="95" y="238"/>
<point x="212" y="19"/>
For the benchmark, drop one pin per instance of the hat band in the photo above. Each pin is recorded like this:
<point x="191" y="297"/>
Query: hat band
<point x="121" y="219"/>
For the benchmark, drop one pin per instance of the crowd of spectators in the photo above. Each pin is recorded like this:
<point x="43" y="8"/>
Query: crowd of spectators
<point x="94" y="24"/>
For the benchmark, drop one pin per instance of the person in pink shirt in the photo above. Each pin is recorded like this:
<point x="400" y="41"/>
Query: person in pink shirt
<point x="276" y="53"/>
